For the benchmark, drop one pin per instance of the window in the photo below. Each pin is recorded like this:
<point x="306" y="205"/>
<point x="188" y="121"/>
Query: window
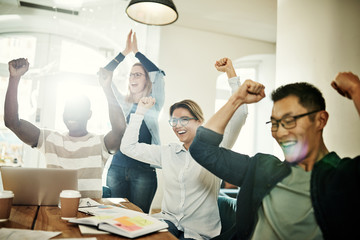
<point x="11" y="147"/>
<point x="255" y="136"/>
<point x="17" y="46"/>
<point x="69" y="67"/>
<point x="245" y="141"/>
<point x="78" y="58"/>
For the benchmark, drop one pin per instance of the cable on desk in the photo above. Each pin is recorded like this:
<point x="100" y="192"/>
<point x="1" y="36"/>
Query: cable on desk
<point x="36" y="215"/>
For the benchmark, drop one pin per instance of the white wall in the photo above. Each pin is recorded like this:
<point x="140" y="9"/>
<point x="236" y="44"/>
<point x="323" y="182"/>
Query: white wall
<point x="188" y="57"/>
<point x="316" y="40"/>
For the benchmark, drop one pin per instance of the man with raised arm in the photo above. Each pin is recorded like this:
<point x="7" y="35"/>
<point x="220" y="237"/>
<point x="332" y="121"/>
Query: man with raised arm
<point x="76" y="149"/>
<point x="313" y="194"/>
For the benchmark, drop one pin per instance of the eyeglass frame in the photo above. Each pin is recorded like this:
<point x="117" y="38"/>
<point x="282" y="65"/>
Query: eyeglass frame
<point x="136" y="75"/>
<point x="294" y="117"/>
<point x="180" y="119"/>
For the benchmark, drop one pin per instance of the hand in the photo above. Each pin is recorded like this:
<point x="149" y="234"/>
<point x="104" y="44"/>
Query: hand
<point x="250" y="92"/>
<point x="134" y="46"/>
<point x="225" y="65"/>
<point x="144" y="104"/>
<point x="128" y="47"/>
<point x="18" y="67"/>
<point x="105" y="78"/>
<point x="346" y="84"/>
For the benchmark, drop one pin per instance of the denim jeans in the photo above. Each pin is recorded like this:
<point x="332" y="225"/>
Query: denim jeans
<point x="176" y="232"/>
<point x="138" y="184"/>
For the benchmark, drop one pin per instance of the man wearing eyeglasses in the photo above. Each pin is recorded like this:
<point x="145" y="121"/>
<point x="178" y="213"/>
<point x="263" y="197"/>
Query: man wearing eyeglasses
<point x="313" y="194"/>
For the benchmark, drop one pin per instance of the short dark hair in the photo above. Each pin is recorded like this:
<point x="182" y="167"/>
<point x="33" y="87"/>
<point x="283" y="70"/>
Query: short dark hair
<point x="309" y="96"/>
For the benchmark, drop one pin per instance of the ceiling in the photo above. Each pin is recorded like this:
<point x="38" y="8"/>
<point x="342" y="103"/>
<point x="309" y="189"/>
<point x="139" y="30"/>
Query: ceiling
<point x="254" y="19"/>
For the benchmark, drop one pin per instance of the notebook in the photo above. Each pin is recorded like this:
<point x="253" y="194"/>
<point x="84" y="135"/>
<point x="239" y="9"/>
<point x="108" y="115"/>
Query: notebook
<point x="38" y="186"/>
<point x="121" y="221"/>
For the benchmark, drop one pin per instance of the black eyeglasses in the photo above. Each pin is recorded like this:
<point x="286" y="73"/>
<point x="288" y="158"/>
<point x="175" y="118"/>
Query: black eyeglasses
<point x="183" y="121"/>
<point x="288" y="122"/>
<point x="136" y="75"/>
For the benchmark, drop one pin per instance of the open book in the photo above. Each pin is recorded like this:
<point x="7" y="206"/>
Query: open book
<point x="101" y="210"/>
<point x="124" y="222"/>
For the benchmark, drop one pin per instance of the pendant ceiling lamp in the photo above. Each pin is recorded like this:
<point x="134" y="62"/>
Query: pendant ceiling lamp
<point x="155" y="12"/>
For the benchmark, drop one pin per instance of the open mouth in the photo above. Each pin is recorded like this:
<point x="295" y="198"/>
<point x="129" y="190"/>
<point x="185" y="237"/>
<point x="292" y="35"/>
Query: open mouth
<point x="180" y="132"/>
<point x="287" y="144"/>
<point x="72" y="123"/>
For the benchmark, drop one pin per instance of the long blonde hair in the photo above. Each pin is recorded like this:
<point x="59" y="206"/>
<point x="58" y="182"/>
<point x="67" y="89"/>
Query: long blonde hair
<point x="147" y="89"/>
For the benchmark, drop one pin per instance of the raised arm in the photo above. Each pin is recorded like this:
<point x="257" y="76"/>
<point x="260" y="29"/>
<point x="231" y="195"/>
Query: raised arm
<point x="149" y="66"/>
<point x="145" y="104"/>
<point x="117" y="119"/>
<point x="236" y="122"/>
<point x="115" y="62"/>
<point x="248" y="92"/>
<point x="120" y="57"/>
<point x="25" y="130"/>
<point x="205" y="147"/>
<point x="348" y="85"/>
<point x="156" y="76"/>
<point x="130" y="146"/>
<point x="225" y="65"/>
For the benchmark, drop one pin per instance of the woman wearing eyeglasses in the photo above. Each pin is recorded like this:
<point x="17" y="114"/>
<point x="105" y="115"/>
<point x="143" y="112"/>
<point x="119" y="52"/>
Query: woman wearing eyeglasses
<point x="189" y="204"/>
<point x="127" y="177"/>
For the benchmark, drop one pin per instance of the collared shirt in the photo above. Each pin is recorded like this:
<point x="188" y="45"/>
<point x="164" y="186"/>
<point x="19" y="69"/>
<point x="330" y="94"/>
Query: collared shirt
<point x="190" y="191"/>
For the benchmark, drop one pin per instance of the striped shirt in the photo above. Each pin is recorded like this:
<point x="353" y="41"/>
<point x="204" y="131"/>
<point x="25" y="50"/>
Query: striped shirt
<point x="87" y="154"/>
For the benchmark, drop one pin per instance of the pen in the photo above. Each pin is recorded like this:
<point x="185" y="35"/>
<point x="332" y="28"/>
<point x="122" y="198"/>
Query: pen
<point x="122" y="205"/>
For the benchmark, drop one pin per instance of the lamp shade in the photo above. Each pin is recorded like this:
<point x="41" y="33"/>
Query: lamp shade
<point x="155" y="12"/>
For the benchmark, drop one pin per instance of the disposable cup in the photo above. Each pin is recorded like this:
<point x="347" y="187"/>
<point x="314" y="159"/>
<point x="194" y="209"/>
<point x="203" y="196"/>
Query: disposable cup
<point x="69" y="203"/>
<point x="6" y="199"/>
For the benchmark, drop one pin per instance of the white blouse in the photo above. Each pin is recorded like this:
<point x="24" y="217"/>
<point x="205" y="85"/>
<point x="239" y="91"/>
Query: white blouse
<point x="190" y="191"/>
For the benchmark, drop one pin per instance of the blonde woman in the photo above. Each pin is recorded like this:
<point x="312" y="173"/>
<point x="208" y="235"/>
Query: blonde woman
<point x="127" y="177"/>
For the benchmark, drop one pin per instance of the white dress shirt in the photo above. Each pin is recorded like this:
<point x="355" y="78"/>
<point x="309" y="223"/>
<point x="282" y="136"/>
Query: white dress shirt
<point x="190" y="191"/>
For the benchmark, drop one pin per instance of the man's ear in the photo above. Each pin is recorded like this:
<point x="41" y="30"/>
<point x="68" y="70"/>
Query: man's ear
<point x="90" y="114"/>
<point x="322" y="119"/>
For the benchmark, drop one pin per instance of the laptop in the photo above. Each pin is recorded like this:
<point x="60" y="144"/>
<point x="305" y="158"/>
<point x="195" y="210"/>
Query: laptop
<point x="38" y="186"/>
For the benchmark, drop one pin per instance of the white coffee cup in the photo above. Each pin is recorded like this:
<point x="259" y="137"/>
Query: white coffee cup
<point x="69" y="203"/>
<point x="6" y="199"/>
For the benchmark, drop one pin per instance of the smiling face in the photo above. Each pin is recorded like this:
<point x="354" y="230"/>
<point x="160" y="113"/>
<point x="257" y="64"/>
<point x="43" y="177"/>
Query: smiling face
<point x="302" y="142"/>
<point x="185" y="134"/>
<point x="137" y="80"/>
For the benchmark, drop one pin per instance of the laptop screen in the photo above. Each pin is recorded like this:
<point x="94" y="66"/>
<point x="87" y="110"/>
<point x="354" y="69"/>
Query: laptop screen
<point x="38" y="186"/>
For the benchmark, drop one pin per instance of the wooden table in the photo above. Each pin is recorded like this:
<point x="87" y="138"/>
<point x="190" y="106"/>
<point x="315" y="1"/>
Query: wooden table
<point x="47" y="218"/>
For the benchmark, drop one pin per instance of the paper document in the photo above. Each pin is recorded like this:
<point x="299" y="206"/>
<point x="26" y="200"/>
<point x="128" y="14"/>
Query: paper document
<point x="16" y="234"/>
<point x="91" y="230"/>
<point x="88" y="202"/>
<point x="101" y="210"/>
